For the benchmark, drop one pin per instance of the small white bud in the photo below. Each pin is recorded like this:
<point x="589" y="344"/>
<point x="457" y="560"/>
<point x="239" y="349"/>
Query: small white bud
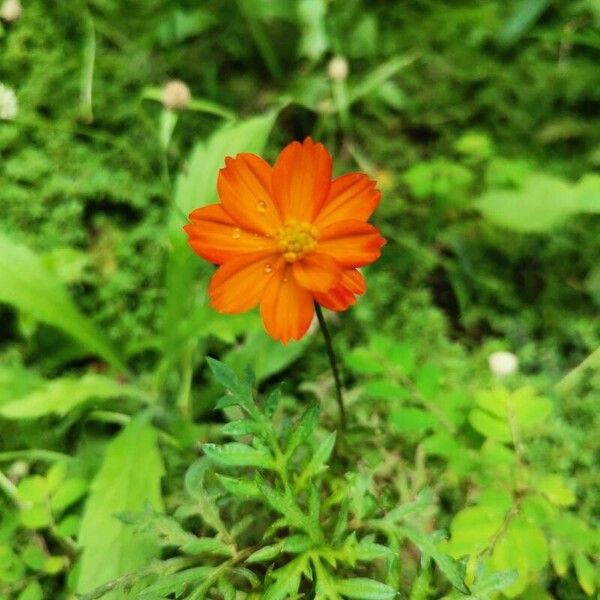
<point x="338" y="68"/>
<point x="11" y="11"/>
<point x="176" y="95"/>
<point x="503" y="363"/>
<point x="18" y="470"/>
<point x="8" y="103"/>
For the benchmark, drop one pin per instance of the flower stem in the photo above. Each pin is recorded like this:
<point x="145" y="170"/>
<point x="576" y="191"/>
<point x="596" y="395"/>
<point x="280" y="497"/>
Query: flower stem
<point x="334" y="365"/>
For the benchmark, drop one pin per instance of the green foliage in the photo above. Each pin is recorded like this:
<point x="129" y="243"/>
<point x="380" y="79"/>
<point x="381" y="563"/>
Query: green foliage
<point x="478" y="121"/>
<point x="128" y="480"/>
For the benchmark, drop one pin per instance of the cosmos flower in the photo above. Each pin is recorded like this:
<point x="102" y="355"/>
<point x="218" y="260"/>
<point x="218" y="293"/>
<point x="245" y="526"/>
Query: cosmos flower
<point x="286" y="237"/>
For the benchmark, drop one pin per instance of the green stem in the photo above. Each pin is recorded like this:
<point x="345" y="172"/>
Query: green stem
<point x="334" y="365"/>
<point x="7" y="486"/>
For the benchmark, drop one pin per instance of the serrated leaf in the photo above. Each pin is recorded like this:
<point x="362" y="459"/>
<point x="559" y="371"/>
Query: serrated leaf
<point x="224" y="375"/>
<point x="60" y="396"/>
<point x="240" y="428"/>
<point x="26" y="284"/>
<point x="318" y="461"/>
<point x="265" y="554"/>
<point x="287" y="580"/>
<point x="236" y="454"/>
<point x="212" y="546"/>
<point x="242" y="488"/>
<point x="492" y="583"/>
<point x="446" y="564"/>
<point x="128" y="480"/>
<point x="365" y="589"/>
<point x="303" y="429"/>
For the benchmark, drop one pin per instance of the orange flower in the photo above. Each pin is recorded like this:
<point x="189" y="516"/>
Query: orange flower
<point x="287" y="236"/>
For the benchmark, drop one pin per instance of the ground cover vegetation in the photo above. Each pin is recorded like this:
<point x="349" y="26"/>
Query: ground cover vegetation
<point x="153" y="448"/>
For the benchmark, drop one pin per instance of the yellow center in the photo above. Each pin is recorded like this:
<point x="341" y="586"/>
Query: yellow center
<point x="295" y="239"/>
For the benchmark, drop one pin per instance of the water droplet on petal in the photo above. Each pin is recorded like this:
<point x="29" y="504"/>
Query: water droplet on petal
<point x="286" y="279"/>
<point x="268" y="268"/>
<point x="261" y="207"/>
<point x="236" y="234"/>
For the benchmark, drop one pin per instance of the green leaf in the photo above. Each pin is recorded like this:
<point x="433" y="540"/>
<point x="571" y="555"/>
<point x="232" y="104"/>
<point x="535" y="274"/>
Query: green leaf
<point x="412" y="419"/>
<point x="525" y="15"/>
<point x="205" y="545"/>
<point x="556" y="490"/>
<point x="494" y="582"/>
<point x="376" y="77"/>
<point x="236" y="454"/>
<point x="33" y="591"/>
<point x="128" y="480"/>
<point x="318" y="461"/>
<point x="365" y="589"/>
<point x="522" y="548"/>
<point x="287" y="580"/>
<point x="587" y="573"/>
<point x="60" y="396"/>
<point x="196" y="187"/>
<point x="224" y="375"/>
<point x="26" y="284"/>
<point x="543" y="203"/>
<point x="490" y="426"/>
<point x="559" y="557"/>
<point x="304" y="428"/>
<point x="266" y="354"/>
<point x="239" y="487"/>
<point x="446" y="564"/>
<point x="69" y="492"/>
<point x="265" y="554"/>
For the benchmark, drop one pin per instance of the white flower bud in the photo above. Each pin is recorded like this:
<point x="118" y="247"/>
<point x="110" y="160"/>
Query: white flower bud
<point x="176" y="95"/>
<point x="503" y="363"/>
<point x="338" y="68"/>
<point x="11" y="11"/>
<point x="8" y="103"/>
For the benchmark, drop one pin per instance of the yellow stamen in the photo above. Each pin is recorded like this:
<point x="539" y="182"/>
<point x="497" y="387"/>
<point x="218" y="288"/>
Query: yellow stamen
<point x="295" y="239"/>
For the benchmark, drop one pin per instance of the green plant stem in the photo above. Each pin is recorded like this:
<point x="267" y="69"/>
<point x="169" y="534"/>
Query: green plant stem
<point x="7" y="486"/>
<point x="334" y="365"/>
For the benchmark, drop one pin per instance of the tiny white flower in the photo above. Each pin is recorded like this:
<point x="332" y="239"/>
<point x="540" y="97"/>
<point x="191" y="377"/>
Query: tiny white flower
<point x="503" y="363"/>
<point x="176" y="95"/>
<point x="11" y="11"/>
<point x="338" y="68"/>
<point x="8" y="103"/>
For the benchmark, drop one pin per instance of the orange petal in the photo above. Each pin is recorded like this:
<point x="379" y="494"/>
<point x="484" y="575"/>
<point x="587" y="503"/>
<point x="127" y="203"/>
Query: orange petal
<point x="301" y="180"/>
<point x="342" y="296"/>
<point x="244" y="187"/>
<point x="286" y="308"/>
<point x="238" y="285"/>
<point x="351" y="243"/>
<point x="215" y="236"/>
<point x="317" y="272"/>
<point x="351" y="196"/>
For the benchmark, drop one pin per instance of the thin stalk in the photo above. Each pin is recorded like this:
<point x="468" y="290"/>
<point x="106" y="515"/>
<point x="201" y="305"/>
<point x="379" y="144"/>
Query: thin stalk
<point x="334" y="365"/>
<point x="8" y="487"/>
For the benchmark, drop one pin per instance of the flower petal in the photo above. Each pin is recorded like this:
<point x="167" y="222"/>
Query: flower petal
<point x="317" y="272"/>
<point x="244" y="187"/>
<point x="342" y="296"/>
<point x="301" y="180"/>
<point x="215" y="236"/>
<point x="286" y="308"/>
<point x="238" y="285"/>
<point x="351" y="196"/>
<point x="351" y="243"/>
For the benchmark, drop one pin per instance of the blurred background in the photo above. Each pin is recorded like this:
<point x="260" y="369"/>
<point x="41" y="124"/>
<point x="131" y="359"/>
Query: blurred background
<point x="479" y="120"/>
